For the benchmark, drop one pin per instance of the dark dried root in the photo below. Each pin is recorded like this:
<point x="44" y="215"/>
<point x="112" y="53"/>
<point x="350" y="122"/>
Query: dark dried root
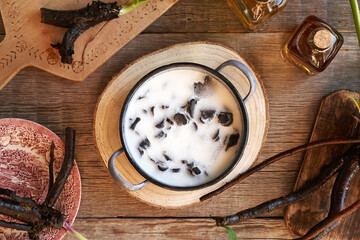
<point x="17" y="226"/>
<point x="310" y="187"/>
<point x="68" y="18"/>
<point x="347" y="165"/>
<point x="321" y="226"/>
<point x="78" y="21"/>
<point x="35" y="217"/>
<point x="12" y="195"/>
<point x="51" y="165"/>
<point x="276" y="158"/>
<point x="340" y="189"/>
<point x="65" y="170"/>
<point x="31" y="214"/>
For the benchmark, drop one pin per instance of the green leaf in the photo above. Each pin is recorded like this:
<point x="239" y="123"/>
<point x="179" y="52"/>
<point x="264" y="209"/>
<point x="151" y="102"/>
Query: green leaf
<point x="131" y="5"/>
<point x="356" y="15"/>
<point x="356" y="103"/>
<point x="232" y="235"/>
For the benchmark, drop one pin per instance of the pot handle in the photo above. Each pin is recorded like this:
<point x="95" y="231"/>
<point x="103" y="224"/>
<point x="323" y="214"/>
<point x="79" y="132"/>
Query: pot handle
<point x="242" y="67"/>
<point x="118" y="179"/>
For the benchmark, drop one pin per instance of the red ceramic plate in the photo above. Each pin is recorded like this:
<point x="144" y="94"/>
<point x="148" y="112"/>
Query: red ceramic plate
<point x="24" y="162"/>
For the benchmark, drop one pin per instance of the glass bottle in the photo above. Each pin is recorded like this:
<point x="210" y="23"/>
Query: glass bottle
<point x="313" y="45"/>
<point x="254" y="12"/>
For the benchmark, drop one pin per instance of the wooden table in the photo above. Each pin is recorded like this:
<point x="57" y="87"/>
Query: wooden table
<point x="107" y="211"/>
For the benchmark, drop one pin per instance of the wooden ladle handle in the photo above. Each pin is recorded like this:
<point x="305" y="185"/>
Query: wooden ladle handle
<point x="10" y="59"/>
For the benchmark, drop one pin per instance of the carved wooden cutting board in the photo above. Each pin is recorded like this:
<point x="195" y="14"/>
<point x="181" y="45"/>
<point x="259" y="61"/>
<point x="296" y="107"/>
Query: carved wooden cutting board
<point x="337" y="117"/>
<point x="27" y="41"/>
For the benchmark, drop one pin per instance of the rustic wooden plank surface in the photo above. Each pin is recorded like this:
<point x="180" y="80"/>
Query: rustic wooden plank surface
<point x="170" y="228"/>
<point x="216" y="16"/>
<point x="294" y="98"/>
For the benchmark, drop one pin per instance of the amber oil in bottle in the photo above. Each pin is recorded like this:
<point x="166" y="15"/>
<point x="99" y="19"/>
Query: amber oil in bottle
<point x="254" y="12"/>
<point x="313" y="45"/>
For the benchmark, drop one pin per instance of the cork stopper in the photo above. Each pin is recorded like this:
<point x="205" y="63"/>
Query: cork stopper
<point x="322" y="39"/>
<point x="263" y="1"/>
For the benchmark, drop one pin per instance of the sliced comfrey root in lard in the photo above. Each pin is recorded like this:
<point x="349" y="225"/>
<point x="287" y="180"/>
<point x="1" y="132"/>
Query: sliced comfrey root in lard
<point x="186" y="131"/>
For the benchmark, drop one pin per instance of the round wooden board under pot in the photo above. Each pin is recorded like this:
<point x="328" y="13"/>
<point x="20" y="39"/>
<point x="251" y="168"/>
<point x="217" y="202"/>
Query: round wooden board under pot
<point x="107" y="116"/>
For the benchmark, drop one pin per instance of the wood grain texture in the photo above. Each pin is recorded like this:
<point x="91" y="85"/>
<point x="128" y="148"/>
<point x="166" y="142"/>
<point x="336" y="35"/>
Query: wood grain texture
<point x="28" y="41"/>
<point x="169" y="228"/>
<point x="215" y="16"/>
<point x="293" y="95"/>
<point x="104" y="189"/>
<point x="335" y="119"/>
<point x="180" y="228"/>
<point x="294" y="99"/>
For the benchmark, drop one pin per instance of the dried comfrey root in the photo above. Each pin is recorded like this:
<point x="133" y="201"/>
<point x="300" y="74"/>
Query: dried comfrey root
<point x="330" y="220"/>
<point x="78" y="21"/>
<point x="338" y="196"/>
<point x="242" y="176"/>
<point x="346" y="166"/>
<point x="35" y="217"/>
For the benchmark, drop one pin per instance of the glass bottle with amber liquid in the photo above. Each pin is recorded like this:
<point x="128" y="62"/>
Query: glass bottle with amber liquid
<point x="313" y="45"/>
<point x="254" y="12"/>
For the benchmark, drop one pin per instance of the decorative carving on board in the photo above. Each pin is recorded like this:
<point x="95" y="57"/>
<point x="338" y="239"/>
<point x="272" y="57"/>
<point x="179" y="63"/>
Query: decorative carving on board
<point x="28" y="41"/>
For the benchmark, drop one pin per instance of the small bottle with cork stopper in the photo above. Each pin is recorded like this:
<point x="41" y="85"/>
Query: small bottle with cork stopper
<point x="254" y="12"/>
<point x="313" y="45"/>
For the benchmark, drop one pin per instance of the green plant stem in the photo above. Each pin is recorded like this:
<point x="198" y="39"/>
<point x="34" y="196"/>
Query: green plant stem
<point x="356" y="15"/>
<point x="73" y="232"/>
<point x="356" y="103"/>
<point x="131" y="5"/>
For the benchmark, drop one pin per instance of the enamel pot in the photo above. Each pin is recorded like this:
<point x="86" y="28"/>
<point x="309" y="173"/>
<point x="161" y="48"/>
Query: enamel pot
<point x="216" y="73"/>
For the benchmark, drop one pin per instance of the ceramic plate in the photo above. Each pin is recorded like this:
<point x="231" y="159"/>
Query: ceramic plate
<point x="24" y="162"/>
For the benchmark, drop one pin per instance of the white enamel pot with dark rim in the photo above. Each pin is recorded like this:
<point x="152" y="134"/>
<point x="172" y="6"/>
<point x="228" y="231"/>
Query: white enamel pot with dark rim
<point x="215" y="73"/>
